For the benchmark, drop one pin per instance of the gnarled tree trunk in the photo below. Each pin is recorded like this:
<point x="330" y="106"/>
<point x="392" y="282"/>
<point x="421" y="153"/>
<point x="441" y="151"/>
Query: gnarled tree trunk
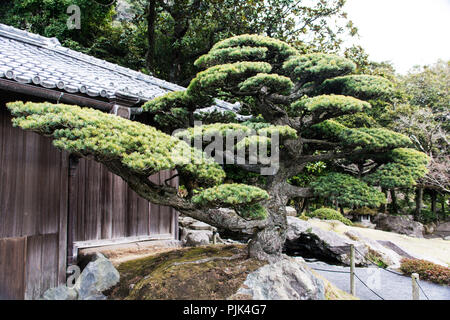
<point x="268" y="243"/>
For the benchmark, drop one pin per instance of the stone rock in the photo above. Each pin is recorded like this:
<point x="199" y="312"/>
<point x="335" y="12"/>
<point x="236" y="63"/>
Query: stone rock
<point x="198" y="225"/>
<point x="287" y="279"/>
<point x="290" y="211"/>
<point x="98" y="276"/>
<point x="406" y="253"/>
<point x="366" y="224"/>
<point x="447" y="238"/>
<point x="186" y="221"/>
<point x="304" y="239"/>
<point x="429" y="228"/>
<point x="443" y="230"/>
<point x="188" y="225"/>
<point x="376" y="250"/>
<point x="60" y="293"/>
<point x="198" y="238"/>
<point x="399" y="224"/>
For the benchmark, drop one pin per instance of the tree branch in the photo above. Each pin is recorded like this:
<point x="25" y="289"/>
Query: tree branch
<point x="167" y="196"/>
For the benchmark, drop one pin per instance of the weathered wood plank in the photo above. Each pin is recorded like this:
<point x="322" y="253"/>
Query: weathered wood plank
<point x="155" y="211"/>
<point x="63" y="217"/>
<point x="33" y="267"/>
<point x="49" y="262"/>
<point x="12" y="268"/>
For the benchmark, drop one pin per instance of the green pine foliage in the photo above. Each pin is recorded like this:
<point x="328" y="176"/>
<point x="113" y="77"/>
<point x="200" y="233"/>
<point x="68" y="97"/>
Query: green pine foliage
<point x="317" y="67"/>
<point x="329" y="214"/>
<point x="404" y="168"/>
<point x="367" y="138"/>
<point x="230" y="195"/>
<point x="273" y="83"/>
<point x="347" y="190"/>
<point x="240" y="130"/>
<point x="327" y="106"/>
<point x="207" y="82"/>
<point x="242" y="198"/>
<point x="363" y="87"/>
<point x="141" y="148"/>
<point x="277" y="51"/>
<point x="231" y="55"/>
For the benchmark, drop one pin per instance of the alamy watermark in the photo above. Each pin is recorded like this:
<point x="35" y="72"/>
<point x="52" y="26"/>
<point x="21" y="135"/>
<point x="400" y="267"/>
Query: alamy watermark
<point x="74" y="12"/>
<point x="74" y="20"/>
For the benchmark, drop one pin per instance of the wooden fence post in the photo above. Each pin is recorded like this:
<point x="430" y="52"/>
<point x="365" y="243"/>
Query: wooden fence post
<point x="415" y="286"/>
<point x="352" y="270"/>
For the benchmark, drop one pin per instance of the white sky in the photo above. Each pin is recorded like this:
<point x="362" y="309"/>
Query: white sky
<point x="405" y="32"/>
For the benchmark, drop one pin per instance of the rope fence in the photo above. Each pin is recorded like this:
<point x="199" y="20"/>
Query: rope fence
<point x="353" y="273"/>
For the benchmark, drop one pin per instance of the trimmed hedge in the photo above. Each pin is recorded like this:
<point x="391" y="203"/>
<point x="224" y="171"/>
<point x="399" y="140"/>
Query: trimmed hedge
<point x="426" y="270"/>
<point x="329" y="214"/>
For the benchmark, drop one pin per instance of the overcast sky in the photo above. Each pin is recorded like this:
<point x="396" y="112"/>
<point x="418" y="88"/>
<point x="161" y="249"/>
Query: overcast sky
<point x="405" y="32"/>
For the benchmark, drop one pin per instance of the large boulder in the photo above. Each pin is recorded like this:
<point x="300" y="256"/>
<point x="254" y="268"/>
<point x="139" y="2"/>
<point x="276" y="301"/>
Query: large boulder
<point x="287" y="279"/>
<point x="194" y="233"/>
<point x="306" y="240"/>
<point x="198" y="238"/>
<point x="60" y="293"/>
<point x="291" y="212"/>
<point x="399" y="224"/>
<point x="443" y="230"/>
<point x="98" y="276"/>
<point x="377" y="253"/>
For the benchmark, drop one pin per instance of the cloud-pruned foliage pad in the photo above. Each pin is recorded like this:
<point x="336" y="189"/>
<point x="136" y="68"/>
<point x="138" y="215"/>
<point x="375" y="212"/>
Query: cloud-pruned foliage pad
<point x="139" y="147"/>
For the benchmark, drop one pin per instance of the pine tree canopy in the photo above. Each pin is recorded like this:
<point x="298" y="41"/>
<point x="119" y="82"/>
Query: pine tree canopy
<point x="299" y="100"/>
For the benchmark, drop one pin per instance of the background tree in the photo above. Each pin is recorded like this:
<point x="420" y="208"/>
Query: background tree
<point x="178" y="32"/>
<point x="423" y="115"/>
<point x="49" y="18"/>
<point x="164" y="38"/>
<point x="299" y="97"/>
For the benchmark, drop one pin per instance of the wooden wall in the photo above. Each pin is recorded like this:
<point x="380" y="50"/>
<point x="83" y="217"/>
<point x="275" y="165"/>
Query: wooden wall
<point x="33" y="206"/>
<point x="106" y="208"/>
<point x="34" y="210"/>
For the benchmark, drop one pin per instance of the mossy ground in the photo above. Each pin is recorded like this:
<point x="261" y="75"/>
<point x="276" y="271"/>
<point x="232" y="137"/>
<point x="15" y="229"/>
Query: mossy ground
<point x="203" y="273"/>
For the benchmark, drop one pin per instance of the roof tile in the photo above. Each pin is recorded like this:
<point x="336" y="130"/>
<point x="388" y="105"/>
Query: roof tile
<point x="34" y="59"/>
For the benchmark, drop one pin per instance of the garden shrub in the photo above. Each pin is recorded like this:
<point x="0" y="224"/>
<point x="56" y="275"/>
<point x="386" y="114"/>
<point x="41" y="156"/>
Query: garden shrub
<point x="363" y="211"/>
<point x="426" y="270"/>
<point x="329" y="214"/>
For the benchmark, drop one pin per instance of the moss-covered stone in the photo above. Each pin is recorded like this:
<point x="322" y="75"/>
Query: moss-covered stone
<point x="203" y="273"/>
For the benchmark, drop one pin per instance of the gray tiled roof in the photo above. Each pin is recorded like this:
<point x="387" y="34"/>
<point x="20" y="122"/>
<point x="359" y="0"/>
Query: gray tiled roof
<point x="33" y="59"/>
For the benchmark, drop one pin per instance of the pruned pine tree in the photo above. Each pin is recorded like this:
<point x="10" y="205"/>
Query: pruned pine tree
<point x="299" y="97"/>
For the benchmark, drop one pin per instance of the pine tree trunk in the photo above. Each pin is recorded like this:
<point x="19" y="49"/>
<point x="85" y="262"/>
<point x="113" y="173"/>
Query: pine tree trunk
<point x="443" y="206"/>
<point x="433" y="196"/>
<point x="394" y="207"/>
<point x="305" y="207"/>
<point x="383" y="206"/>
<point x="419" y="203"/>
<point x="151" y="19"/>
<point x="268" y="243"/>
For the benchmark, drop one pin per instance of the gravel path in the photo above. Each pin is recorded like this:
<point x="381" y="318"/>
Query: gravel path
<point x="388" y="285"/>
